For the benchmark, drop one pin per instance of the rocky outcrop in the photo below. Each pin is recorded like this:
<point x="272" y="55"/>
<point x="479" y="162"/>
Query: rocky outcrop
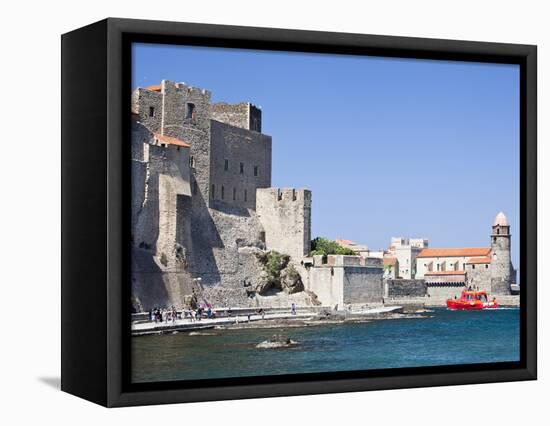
<point x="291" y="281"/>
<point x="278" y="274"/>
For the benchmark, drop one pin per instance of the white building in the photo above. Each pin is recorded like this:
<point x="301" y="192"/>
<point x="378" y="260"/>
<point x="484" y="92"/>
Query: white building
<point x="405" y="250"/>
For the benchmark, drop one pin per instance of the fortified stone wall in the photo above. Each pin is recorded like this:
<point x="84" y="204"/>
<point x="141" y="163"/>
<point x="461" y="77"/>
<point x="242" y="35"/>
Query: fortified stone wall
<point x="285" y="215"/>
<point x="479" y="276"/>
<point x="399" y="288"/>
<point x="240" y="163"/>
<point x="363" y="284"/>
<point x="243" y="115"/>
<point x="338" y="286"/>
<point x="148" y="105"/>
<point x="233" y="114"/>
<point x="445" y="291"/>
<point x="161" y="226"/>
<point x="327" y="284"/>
<point x="216" y="241"/>
<point x="184" y="108"/>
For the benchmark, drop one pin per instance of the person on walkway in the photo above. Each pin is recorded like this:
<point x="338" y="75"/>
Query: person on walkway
<point x="293" y="309"/>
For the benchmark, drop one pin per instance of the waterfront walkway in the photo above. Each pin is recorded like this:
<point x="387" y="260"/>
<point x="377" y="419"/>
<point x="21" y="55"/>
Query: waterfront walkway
<point x="142" y="328"/>
<point x="150" y="327"/>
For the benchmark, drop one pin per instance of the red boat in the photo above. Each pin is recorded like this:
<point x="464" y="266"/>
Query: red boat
<point x="472" y="300"/>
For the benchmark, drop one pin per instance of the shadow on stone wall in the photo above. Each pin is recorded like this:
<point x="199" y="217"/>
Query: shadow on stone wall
<point x="204" y="238"/>
<point x="148" y="285"/>
<point x="230" y="209"/>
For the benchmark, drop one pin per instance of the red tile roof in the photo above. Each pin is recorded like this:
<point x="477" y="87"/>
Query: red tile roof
<point x="454" y="252"/>
<point x="446" y="273"/>
<point x="170" y="141"/>
<point x="390" y="261"/>
<point x="345" y="242"/>
<point x="154" y="88"/>
<point x="484" y="259"/>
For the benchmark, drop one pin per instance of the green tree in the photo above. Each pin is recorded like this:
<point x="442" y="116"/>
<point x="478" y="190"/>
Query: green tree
<point x="324" y="247"/>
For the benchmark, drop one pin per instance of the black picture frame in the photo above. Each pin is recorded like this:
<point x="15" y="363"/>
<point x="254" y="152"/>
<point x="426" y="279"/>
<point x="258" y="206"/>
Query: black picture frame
<point x="95" y="211"/>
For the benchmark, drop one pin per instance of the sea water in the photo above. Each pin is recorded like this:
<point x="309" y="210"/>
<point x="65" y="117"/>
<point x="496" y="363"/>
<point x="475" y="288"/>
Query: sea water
<point x="438" y="337"/>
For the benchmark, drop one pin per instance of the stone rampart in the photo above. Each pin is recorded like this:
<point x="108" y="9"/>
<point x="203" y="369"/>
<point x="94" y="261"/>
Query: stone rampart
<point x="402" y="288"/>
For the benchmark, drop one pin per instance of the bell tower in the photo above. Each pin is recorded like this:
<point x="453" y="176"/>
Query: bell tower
<point x="501" y="264"/>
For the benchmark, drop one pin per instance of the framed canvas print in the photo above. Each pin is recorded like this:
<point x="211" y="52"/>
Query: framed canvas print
<point x="253" y="212"/>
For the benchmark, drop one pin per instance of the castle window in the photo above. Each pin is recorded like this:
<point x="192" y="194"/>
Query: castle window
<point x="191" y="161"/>
<point x="226" y="165"/>
<point x="190" y="110"/>
<point x="494" y="239"/>
<point x="486" y="266"/>
<point x="498" y="231"/>
<point x="151" y="111"/>
<point x="241" y="168"/>
<point x="234" y="194"/>
<point x="255" y="170"/>
<point x="262" y="236"/>
<point x="223" y="192"/>
<point x="195" y="187"/>
<point x="245" y="198"/>
<point x="474" y="266"/>
<point x="213" y="192"/>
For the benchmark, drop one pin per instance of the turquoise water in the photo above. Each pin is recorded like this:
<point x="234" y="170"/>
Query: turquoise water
<point x="440" y="337"/>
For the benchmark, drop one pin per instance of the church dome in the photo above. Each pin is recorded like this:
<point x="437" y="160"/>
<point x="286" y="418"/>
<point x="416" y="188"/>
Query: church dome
<point x="501" y="220"/>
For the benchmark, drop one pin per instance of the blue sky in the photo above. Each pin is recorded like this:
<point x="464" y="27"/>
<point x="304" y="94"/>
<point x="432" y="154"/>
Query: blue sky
<point x="388" y="147"/>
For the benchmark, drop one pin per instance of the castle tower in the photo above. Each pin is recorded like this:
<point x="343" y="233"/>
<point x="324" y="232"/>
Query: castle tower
<point x="285" y="214"/>
<point x="501" y="265"/>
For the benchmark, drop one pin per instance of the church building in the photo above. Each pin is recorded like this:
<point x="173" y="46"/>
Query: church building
<point x="447" y="270"/>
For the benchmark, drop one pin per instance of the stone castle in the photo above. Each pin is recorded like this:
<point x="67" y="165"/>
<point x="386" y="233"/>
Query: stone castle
<point x="204" y="211"/>
<point x="204" y="216"/>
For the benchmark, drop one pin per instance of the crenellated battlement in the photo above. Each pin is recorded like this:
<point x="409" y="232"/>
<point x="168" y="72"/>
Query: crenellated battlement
<point x="283" y="195"/>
